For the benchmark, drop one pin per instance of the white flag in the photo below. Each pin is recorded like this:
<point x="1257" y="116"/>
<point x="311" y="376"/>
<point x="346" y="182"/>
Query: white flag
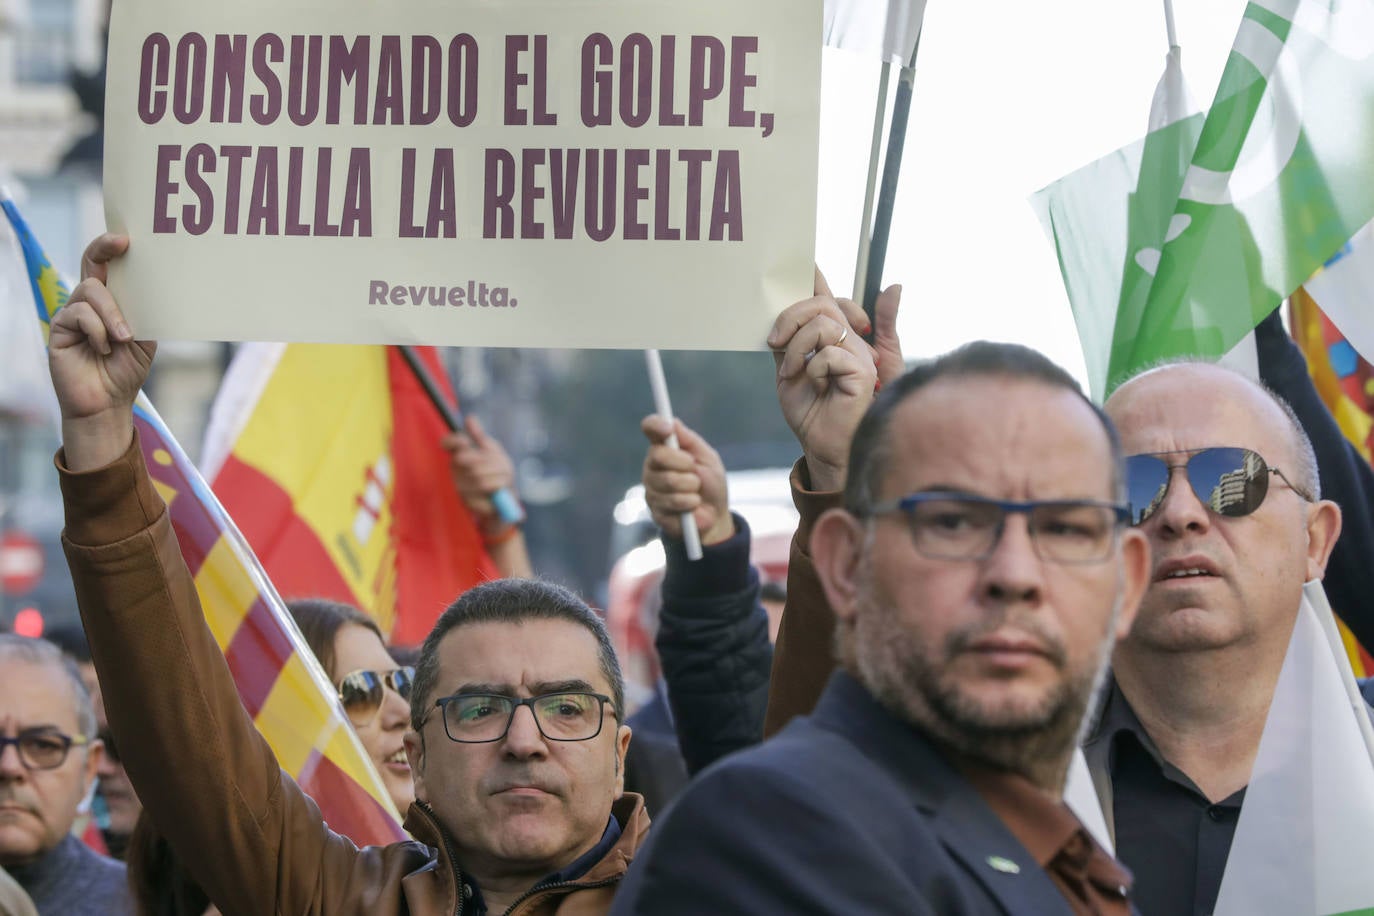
<point x="1345" y="291"/>
<point x="24" y="385"/>
<point x="1302" y="842"/>
<point x="886" y="28"/>
<point x="1081" y="797"/>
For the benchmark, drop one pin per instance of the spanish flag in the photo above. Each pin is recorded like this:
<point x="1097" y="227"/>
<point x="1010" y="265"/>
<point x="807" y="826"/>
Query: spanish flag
<point x="328" y="457"/>
<point x="282" y="686"/>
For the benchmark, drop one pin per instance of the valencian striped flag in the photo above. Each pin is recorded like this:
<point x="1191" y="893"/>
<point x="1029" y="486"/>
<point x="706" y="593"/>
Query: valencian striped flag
<point x="279" y="681"/>
<point x="1277" y="177"/>
<point x="1345" y="382"/>
<point x="329" y="459"/>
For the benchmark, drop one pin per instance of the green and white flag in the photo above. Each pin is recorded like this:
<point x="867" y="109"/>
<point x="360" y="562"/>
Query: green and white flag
<point x="1301" y="845"/>
<point x="1258" y="193"/>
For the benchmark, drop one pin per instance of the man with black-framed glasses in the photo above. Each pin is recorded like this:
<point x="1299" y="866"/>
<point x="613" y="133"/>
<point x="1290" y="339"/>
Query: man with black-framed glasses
<point x="49" y="756"/>
<point x="524" y="813"/>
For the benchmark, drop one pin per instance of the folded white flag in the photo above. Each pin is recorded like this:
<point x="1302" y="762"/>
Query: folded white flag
<point x="1302" y="842"/>
<point x="887" y="28"/>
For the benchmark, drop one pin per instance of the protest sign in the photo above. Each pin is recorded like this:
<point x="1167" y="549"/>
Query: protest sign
<point x="608" y="173"/>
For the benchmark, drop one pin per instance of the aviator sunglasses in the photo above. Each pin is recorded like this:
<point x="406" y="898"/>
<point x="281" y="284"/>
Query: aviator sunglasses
<point x="362" y="691"/>
<point x="1232" y="482"/>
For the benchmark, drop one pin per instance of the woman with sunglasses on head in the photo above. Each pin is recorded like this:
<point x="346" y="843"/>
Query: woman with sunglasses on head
<point x="375" y="692"/>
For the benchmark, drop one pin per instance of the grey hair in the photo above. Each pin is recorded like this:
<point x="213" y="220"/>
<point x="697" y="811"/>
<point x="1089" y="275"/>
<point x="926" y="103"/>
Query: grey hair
<point x="43" y="653"/>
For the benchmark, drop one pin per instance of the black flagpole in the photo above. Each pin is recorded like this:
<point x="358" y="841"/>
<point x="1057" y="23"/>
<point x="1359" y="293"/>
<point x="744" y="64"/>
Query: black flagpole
<point x="505" y="503"/>
<point x="887" y="193"/>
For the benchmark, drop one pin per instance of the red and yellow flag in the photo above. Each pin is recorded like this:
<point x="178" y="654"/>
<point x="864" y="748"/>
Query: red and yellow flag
<point x="328" y="458"/>
<point x="1345" y="382"/>
<point x="279" y="681"/>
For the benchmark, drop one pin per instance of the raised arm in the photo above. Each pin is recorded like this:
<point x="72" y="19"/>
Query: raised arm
<point x="826" y="379"/>
<point x="713" y="634"/>
<point x="208" y="779"/>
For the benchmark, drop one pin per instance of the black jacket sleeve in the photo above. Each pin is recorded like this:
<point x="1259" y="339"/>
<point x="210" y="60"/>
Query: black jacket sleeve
<point x="1346" y="478"/>
<point x="713" y="646"/>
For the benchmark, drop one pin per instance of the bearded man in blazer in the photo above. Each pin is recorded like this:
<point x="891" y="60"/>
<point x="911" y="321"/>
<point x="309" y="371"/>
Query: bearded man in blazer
<point x="980" y="571"/>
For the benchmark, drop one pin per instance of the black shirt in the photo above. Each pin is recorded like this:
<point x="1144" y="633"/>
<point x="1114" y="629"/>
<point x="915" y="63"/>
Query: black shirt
<point x="1168" y="833"/>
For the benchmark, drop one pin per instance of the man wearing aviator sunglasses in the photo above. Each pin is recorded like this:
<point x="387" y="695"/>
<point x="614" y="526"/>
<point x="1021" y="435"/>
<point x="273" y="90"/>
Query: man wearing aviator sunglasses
<point x="1222" y="480"/>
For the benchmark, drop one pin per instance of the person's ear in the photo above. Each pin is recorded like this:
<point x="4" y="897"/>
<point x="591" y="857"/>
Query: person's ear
<point x="1134" y="578"/>
<point x="1323" y="527"/>
<point x="837" y="542"/>
<point x="415" y="755"/>
<point x="622" y="746"/>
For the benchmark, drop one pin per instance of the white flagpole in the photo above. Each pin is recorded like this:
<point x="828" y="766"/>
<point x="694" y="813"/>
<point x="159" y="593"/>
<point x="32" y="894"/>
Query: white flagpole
<point x="1169" y="23"/>
<point x="690" y="536"/>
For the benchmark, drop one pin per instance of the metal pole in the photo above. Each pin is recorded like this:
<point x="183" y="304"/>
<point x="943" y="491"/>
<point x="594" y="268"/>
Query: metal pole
<point x="870" y="187"/>
<point x="887" y="195"/>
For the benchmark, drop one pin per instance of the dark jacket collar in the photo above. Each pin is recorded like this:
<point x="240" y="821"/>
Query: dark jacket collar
<point x="967" y="827"/>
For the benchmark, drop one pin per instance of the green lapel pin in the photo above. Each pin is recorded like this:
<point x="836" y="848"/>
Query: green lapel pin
<point x="1006" y="866"/>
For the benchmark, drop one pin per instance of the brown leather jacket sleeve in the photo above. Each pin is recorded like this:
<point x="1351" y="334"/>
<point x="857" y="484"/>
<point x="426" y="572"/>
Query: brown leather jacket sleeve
<point x="803" y="657"/>
<point x="249" y="835"/>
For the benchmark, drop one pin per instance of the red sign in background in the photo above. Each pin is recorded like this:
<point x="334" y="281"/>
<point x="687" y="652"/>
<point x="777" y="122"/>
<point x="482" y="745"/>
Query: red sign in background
<point x="21" y="563"/>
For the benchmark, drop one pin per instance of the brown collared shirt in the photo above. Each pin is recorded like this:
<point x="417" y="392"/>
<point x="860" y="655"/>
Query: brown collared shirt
<point x="1093" y="883"/>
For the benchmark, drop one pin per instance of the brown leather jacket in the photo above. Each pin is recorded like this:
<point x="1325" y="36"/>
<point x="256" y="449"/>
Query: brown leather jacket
<point x="804" y="655"/>
<point x="248" y="834"/>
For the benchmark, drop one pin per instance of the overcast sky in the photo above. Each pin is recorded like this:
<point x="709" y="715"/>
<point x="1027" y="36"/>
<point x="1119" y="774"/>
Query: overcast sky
<point x="1009" y="97"/>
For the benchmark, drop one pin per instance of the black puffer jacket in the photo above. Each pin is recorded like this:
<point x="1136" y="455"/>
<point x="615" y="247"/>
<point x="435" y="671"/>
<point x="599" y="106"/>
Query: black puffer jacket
<point x="713" y="646"/>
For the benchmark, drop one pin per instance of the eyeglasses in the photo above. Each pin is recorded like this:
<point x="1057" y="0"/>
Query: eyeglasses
<point x="473" y="718"/>
<point x="42" y="750"/>
<point x="957" y="526"/>
<point x="362" y="691"/>
<point x="1232" y="482"/>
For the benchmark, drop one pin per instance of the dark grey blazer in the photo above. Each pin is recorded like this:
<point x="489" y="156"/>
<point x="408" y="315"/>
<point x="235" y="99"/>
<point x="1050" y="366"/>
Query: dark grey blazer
<point x="847" y="811"/>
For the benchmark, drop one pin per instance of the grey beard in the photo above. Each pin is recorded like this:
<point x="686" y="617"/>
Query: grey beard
<point x="1036" y="744"/>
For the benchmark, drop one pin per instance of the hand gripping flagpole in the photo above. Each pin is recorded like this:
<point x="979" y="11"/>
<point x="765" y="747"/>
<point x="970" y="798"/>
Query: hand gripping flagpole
<point x="503" y="500"/>
<point x="691" y="538"/>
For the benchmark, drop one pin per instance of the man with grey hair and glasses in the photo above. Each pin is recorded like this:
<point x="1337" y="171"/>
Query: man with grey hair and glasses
<point x="980" y="571"/>
<point x="49" y="756"/>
